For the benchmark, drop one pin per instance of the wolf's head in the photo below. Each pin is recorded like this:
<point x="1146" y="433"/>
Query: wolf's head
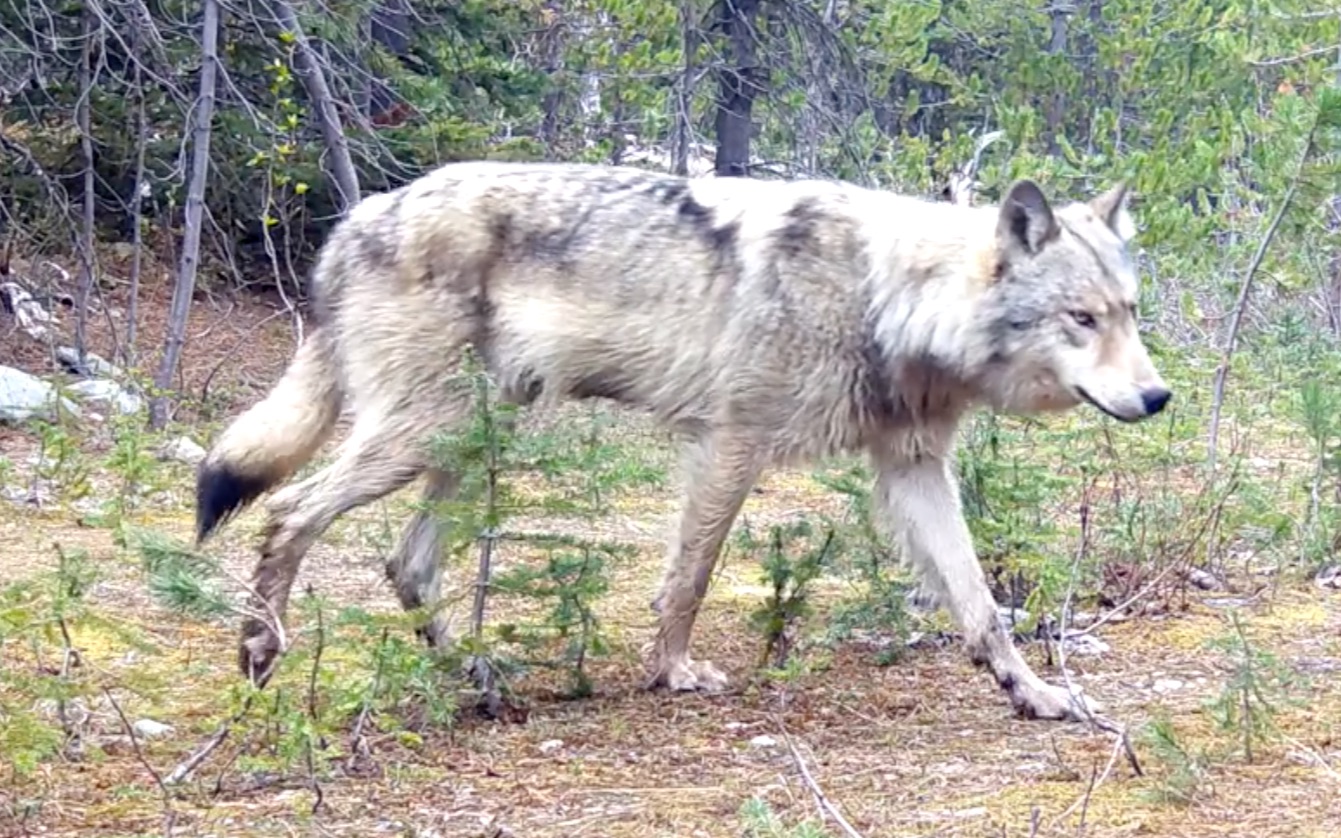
<point x="1062" y="309"/>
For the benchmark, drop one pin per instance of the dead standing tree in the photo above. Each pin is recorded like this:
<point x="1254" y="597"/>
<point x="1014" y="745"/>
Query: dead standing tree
<point x="319" y="94"/>
<point x="195" y="213"/>
<point x="343" y="174"/>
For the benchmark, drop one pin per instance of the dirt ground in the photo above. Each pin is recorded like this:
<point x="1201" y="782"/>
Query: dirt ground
<point x="927" y="746"/>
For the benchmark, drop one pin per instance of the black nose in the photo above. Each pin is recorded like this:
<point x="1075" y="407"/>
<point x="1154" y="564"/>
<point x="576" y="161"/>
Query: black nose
<point x="1155" y="398"/>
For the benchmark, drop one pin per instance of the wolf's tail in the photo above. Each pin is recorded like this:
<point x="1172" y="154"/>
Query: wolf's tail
<point x="273" y="438"/>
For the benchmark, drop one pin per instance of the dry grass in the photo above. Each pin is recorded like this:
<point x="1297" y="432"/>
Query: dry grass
<point x="925" y="747"/>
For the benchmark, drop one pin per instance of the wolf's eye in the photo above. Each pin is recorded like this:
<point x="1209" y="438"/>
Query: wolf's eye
<point x="1083" y="319"/>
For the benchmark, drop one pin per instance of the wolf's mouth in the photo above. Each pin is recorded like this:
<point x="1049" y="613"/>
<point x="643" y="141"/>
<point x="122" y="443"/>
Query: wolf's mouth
<point x="1095" y="402"/>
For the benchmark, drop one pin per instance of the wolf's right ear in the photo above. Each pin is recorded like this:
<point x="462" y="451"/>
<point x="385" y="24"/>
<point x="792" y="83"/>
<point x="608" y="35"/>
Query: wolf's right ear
<point x="1026" y="220"/>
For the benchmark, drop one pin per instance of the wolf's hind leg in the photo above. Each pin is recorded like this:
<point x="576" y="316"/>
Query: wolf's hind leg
<point x="719" y="472"/>
<point x="415" y="565"/>
<point x="372" y="463"/>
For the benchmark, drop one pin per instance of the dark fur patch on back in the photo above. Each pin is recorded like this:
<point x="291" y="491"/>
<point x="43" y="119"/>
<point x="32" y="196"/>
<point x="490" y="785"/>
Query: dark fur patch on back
<point x="221" y="493"/>
<point x="720" y="239"/>
<point x="560" y="246"/>
<point x="798" y="231"/>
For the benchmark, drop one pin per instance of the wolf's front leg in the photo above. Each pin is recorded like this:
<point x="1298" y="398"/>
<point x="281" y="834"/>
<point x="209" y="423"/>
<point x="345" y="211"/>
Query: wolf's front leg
<point x="922" y="503"/>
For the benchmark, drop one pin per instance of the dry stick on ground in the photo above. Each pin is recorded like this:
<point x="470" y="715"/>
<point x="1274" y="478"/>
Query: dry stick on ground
<point x="825" y="806"/>
<point x="814" y="787"/>
<point x="192" y="762"/>
<point x="1121" y="741"/>
<point x="1236" y="321"/>
<point x="169" y="814"/>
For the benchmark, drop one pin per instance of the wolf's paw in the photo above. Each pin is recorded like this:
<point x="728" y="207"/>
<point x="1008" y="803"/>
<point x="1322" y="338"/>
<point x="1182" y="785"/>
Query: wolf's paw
<point x="258" y="651"/>
<point x="686" y="675"/>
<point x="1035" y="699"/>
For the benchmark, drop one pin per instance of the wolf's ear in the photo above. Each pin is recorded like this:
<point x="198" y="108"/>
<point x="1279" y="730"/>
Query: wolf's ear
<point x="1026" y="219"/>
<point x="1111" y="207"/>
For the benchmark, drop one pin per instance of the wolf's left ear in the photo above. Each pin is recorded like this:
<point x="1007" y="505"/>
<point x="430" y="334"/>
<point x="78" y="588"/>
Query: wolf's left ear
<point x="1026" y="220"/>
<point x="1111" y="207"/>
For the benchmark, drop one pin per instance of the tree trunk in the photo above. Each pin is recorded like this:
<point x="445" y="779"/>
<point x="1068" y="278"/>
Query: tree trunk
<point x="314" y="83"/>
<point x="389" y="27"/>
<point x="85" y="248"/>
<point x="739" y="84"/>
<point x="552" y="43"/>
<point x="682" y="135"/>
<point x="1058" y="10"/>
<point x="195" y="211"/>
<point x="136" y="205"/>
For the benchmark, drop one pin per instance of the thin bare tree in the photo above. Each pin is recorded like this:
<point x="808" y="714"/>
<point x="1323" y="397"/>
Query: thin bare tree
<point x="84" y="123"/>
<point x="195" y="212"/>
<point x="319" y="92"/>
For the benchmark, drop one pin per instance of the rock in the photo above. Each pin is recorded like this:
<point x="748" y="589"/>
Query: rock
<point x="1006" y="615"/>
<point x="763" y="740"/>
<point x="1329" y="577"/>
<point x="24" y="397"/>
<point x="94" y="365"/>
<point x="35" y="321"/>
<point x="549" y="746"/>
<point x="1077" y="643"/>
<point x="1167" y="685"/>
<point x="103" y="391"/>
<point x="183" y="449"/>
<point x="1203" y="580"/>
<point x="150" y="729"/>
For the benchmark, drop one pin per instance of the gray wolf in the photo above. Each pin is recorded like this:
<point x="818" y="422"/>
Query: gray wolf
<point x="763" y="322"/>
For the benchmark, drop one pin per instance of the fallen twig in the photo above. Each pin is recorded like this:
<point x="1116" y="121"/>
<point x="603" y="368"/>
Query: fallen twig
<point x="192" y="762"/>
<point x="169" y="814"/>
<point x="824" y="804"/>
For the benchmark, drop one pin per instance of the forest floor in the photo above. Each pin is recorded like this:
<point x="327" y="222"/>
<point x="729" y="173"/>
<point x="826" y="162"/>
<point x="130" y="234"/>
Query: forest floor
<point x="925" y="746"/>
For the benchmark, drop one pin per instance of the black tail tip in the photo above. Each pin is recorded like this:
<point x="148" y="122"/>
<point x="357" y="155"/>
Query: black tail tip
<point x="222" y="492"/>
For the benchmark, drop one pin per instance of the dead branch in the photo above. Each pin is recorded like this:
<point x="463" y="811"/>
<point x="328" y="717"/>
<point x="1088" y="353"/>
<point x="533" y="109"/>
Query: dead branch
<point x="358" y="746"/>
<point x="169" y="814"/>
<point x="192" y="762"/>
<point x="314" y="82"/>
<point x="195" y="207"/>
<point x="825" y="805"/>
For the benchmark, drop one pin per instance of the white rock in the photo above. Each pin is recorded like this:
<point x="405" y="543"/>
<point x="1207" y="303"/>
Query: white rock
<point x="763" y="741"/>
<point x="103" y="391"/>
<point x="549" y="746"/>
<point x="94" y="364"/>
<point x="183" y="449"/>
<point x="1167" y="685"/>
<point x="1203" y="580"/>
<point x="24" y="397"/>
<point x="151" y="729"/>
<point x="1077" y="643"/>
